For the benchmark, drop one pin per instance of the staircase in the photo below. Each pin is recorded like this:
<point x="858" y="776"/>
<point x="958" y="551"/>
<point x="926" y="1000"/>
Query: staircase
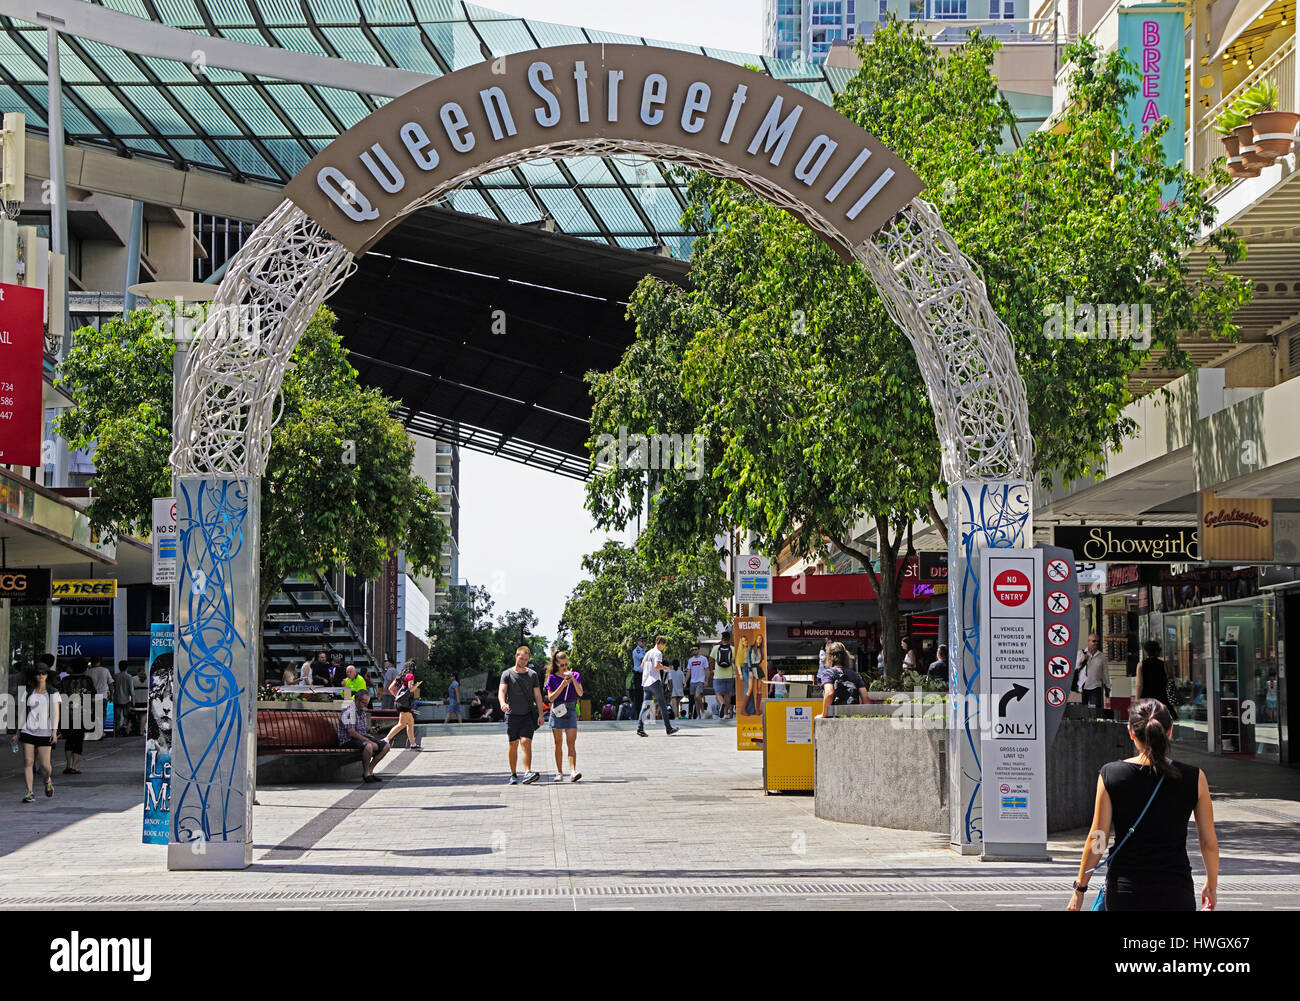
<point x="307" y="616"/>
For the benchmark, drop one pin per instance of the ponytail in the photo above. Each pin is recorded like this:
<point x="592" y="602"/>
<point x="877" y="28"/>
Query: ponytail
<point x="1153" y="726"/>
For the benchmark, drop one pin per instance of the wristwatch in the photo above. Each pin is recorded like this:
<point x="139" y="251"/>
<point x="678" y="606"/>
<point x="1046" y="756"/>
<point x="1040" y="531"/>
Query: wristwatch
<point x="1080" y="889"/>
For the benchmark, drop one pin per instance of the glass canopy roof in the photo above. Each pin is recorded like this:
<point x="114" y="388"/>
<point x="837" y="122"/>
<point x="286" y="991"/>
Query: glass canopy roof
<point x="266" y="129"/>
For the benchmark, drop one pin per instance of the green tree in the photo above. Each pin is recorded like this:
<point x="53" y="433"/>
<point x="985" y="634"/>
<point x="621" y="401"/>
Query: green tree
<point x="631" y="591"/>
<point x="811" y="400"/>
<point x="466" y="641"/>
<point x="338" y="489"/>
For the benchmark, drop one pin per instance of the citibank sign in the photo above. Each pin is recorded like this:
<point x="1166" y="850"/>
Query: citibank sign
<point x="1130" y="543"/>
<point x="672" y="105"/>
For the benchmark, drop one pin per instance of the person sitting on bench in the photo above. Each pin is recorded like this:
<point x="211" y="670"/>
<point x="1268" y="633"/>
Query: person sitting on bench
<point x="354" y="733"/>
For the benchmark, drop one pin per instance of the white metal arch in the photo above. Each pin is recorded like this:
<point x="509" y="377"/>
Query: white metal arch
<point x="290" y="265"/>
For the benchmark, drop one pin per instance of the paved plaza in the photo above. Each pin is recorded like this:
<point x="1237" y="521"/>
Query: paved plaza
<point x="661" y="822"/>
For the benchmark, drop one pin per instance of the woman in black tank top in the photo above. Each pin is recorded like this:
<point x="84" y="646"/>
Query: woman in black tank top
<point x="1151" y="871"/>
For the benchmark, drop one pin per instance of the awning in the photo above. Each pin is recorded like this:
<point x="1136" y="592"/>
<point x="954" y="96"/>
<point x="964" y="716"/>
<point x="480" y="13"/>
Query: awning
<point x="1229" y="18"/>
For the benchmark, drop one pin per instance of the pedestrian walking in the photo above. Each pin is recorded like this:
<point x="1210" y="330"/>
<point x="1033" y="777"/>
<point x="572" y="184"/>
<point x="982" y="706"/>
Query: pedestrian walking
<point x="520" y="695"/>
<point x="391" y="675"/>
<point x="635" y="689"/>
<point x="100" y="678"/>
<point x="654" y="686"/>
<point x="123" y="700"/>
<point x="1151" y="798"/>
<point x="563" y="689"/>
<point x="677" y="681"/>
<point x="697" y="667"/>
<point x="779" y="689"/>
<point x="404" y="691"/>
<point x="841" y="686"/>
<point x="1152" y="678"/>
<point x="724" y="675"/>
<point x="354" y="733"/>
<point x="78" y="691"/>
<point x="1092" y="674"/>
<point x="40" y="730"/>
<point x="453" y="699"/>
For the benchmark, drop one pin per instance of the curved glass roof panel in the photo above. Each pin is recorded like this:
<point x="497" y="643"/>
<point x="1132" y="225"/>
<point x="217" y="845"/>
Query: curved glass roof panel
<point x="265" y="129"/>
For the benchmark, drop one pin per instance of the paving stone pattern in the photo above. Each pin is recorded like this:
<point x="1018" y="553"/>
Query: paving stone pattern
<point x="656" y="823"/>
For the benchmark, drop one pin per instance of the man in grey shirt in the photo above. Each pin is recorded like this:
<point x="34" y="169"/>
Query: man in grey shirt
<point x="390" y="675"/>
<point x="520" y="695"/>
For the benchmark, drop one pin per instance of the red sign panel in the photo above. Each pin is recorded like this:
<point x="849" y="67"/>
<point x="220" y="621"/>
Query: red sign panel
<point x="22" y="346"/>
<point x="1011" y="588"/>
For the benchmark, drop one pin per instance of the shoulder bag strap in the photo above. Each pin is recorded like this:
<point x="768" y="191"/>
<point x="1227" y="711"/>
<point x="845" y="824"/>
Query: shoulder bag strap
<point x="1110" y="858"/>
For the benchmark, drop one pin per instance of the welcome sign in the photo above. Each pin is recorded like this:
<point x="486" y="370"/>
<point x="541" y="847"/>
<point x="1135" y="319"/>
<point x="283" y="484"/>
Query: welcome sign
<point x="676" y="106"/>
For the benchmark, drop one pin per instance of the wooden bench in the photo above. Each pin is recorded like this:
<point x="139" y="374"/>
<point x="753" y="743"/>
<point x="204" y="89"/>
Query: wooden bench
<point x="300" y="746"/>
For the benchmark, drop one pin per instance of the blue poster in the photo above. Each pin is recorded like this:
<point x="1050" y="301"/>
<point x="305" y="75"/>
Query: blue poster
<point x="1154" y="38"/>
<point x="158" y="737"/>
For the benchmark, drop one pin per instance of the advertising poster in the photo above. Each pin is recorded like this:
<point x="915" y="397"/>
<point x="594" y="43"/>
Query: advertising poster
<point x="158" y="737"/>
<point x="22" y="347"/>
<point x="749" y="637"/>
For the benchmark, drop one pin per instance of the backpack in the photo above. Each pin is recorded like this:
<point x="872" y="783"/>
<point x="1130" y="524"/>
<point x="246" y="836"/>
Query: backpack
<point x="846" y="693"/>
<point x="724" y="655"/>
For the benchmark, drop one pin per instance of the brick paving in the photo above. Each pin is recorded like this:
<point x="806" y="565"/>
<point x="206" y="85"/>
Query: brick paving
<point x="661" y="822"/>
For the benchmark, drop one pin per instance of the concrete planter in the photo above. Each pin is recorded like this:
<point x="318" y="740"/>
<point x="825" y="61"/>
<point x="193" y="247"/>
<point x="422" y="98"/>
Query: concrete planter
<point x="872" y="771"/>
<point x="293" y="705"/>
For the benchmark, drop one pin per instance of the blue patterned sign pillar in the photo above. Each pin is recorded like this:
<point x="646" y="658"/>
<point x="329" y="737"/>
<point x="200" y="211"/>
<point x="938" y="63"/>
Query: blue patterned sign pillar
<point x="214" y="609"/>
<point x="982" y="514"/>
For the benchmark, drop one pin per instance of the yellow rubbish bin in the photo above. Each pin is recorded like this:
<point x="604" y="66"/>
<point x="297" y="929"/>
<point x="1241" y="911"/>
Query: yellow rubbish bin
<point x="788" y="744"/>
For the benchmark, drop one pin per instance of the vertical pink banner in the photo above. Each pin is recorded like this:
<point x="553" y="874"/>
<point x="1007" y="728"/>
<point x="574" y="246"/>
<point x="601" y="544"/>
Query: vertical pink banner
<point x="22" y="346"/>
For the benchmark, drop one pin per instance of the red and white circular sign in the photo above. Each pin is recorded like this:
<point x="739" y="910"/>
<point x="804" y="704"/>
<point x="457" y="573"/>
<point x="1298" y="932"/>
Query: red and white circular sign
<point x="1011" y="588"/>
<point x="755" y="564"/>
<point x="1004" y="788"/>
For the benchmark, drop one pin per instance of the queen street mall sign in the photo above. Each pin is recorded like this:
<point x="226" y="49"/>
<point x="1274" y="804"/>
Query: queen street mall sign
<point x="677" y="106"/>
<point x="1130" y="543"/>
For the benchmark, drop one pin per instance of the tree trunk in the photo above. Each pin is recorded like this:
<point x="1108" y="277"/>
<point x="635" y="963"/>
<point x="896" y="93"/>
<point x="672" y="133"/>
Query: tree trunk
<point x="940" y="525"/>
<point x="887" y="597"/>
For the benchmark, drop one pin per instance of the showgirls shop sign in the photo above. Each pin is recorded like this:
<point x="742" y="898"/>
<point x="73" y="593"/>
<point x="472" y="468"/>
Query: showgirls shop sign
<point x="1154" y="38"/>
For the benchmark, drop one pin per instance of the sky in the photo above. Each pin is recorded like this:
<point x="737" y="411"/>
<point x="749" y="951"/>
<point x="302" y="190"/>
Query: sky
<point x="722" y="24"/>
<point x="523" y="532"/>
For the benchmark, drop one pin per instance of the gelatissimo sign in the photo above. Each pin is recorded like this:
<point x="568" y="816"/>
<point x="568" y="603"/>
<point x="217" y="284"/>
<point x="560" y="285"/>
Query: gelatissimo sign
<point x="1130" y="543"/>
<point x="1236" y="528"/>
<point x="661" y="103"/>
<point x="100" y="589"/>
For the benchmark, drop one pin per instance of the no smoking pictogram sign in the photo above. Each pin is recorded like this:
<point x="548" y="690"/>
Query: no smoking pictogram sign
<point x="755" y="564"/>
<point x="1055" y="696"/>
<point x="1058" y="634"/>
<point x="1057" y="571"/>
<point x="1059" y="666"/>
<point x="1011" y="588"/>
<point x="1058" y="603"/>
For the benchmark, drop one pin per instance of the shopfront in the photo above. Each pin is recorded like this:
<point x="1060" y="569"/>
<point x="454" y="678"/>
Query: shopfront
<point x="1221" y="642"/>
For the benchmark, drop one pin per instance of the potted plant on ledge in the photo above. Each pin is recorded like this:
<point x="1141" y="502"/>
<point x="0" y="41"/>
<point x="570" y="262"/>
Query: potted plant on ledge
<point x="1274" y="131"/>
<point x="1226" y="126"/>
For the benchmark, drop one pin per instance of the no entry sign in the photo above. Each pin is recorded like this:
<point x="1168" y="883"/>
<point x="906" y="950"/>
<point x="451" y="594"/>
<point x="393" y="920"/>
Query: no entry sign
<point x="1011" y="588"/>
<point x="22" y="340"/>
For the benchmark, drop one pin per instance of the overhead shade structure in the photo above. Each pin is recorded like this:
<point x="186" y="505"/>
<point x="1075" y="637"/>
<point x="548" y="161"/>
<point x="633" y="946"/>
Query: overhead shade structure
<point x="1229" y="20"/>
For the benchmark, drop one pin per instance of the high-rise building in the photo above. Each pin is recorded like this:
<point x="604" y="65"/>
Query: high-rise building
<point x="807" y="29"/>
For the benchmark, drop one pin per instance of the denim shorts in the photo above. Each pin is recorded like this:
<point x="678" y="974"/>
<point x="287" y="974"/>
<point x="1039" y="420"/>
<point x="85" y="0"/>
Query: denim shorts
<point x="724" y="686"/>
<point x="569" y="721"/>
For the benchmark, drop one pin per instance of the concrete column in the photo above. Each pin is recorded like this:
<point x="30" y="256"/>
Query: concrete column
<point x="132" y="256"/>
<point x="51" y="627"/>
<point x="58" y="212"/>
<point x="214" y="609"/>
<point x="119" y="627"/>
<point x="982" y="514"/>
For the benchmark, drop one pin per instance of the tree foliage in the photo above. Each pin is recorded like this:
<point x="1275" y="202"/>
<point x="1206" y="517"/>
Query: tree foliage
<point x="466" y="641"/>
<point x="641" y="590"/>
<point x="811" y="400"/>
<point x="338" y="489"/>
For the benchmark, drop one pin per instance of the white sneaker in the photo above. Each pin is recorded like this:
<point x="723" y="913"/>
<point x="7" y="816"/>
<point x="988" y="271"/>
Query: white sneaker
<point x="559" y="776"/>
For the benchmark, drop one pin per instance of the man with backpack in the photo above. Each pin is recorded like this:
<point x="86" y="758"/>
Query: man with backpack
<point x="840" y="685"/>
<point x="724" y="675"/>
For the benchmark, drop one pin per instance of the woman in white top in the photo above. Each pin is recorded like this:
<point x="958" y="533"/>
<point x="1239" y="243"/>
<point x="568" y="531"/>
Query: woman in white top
<point x="41" y="729"/>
